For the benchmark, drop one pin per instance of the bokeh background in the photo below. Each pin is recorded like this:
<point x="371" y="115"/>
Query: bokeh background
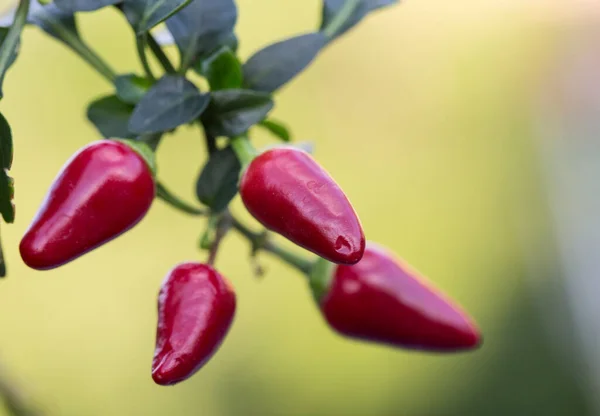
<point x="456" y="130"/>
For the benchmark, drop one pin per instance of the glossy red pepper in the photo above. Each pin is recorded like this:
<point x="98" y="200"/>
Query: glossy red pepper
<point x="289" y="193"/>
<point x="102" y="191"/>
<point x="383" y="300"/>
<point x="196" y="306"/>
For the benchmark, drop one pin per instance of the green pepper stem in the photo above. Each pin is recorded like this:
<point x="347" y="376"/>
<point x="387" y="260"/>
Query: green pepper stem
<point x="145" y="151"/>
<point x="243" y="149"/>
<point x="341" y="18"/>
<point x="167" y="196"/>
<point x="84" y="51"/>
<point x="12" y="37"/>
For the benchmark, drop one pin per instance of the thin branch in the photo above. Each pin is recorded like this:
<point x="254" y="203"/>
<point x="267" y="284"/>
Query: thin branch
<point x="160" y="55"/>
<point x="140" y="43"/>
<point x="163" y="193"/>
<point x="262" y="242"/>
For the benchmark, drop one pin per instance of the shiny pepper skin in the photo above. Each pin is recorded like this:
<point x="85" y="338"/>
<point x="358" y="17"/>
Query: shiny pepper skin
<point x="290" y="194"/>
<point x="101" y="192"/>
<point x="196" y="306"/>
<point x="381" y="299"/>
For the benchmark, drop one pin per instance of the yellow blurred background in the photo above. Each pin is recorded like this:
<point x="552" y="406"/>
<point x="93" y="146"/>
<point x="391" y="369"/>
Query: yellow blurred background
<point x="422" y="114"/>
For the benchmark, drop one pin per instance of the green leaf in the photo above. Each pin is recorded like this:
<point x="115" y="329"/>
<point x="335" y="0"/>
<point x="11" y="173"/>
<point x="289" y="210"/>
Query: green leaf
<point x="222" y="69"/>
<point x="143" y="15"/>
<point x="3" y="33"/>
<point x="6" y="143"/>
<point x="217" y="183"/>
<point x="202" y="27"/>
<point x="111" y="117"/>
<point x="277" y="129"/>
<point x="131" y="88"/>
<point x="72" y="6"/>
<point x="52" y="20"/>
<point x="55" y="22"/>
<point x="233" y="112"/>
<point x="7" y="190"/>
<point x="332" y="7"/>
<point x="171" y="102"/>
<point x="7" y="208"/>
<point x="277" y="64"/>
<point x="12" y="57"/>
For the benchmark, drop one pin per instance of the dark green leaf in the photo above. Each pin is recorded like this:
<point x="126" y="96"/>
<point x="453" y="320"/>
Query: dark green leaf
<point x="277" y="129"/>
<point x="332" y="7"/>
<point x="13" y="54"/>
<point x="72" y="6"/>
<point x="202" y="27"/>
<point x="52" y="20"/>
<point x="222" y="69"/>
<point x="143" y="15"/>
<point x="6" y="143"/>
<point x="217" y="184"/>
<point x="171" y="102"/>
<point x="233" y="112"/>
<point x="277" y="64"/>
<point x="7" y="208"/>
<point x="111" y="117"/>
<point x="3" y="33"/>
<point x="131" y="88"/>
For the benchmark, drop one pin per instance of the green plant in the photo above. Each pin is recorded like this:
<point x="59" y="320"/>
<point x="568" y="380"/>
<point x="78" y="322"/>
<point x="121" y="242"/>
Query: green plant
<point x="144" y="107"/>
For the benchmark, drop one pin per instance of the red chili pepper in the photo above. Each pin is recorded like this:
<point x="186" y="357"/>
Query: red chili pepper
<point x="195" y="308"/>
<point x="101" y="192"/>
<point x="383" y="300"/>
<point x="289" y="193"/>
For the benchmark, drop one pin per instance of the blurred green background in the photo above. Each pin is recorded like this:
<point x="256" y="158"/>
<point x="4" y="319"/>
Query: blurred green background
<point x="422" y="114"/>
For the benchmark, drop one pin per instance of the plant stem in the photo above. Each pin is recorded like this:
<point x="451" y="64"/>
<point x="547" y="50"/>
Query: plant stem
<point x="341" y="18"/>
<point x="243" y="149"/>
<point x="262" y="242"/>
<point x="211" y="144"/>
<point x="160" y="54"/>
<point x="163" y="193"/>
<point x="12" y="37"/>
<point x="84" y="51"/>
<point x="259" y="241"/>
<point x="140" y="43"/>
<point x="221" y="226"/>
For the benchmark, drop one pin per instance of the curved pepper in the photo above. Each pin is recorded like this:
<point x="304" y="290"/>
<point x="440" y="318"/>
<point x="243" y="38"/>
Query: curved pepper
<point x="196" y="306"/>
<point x="383" y="300"/>
<point x="290" y="194"/>
<point x="101" y="192"/>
